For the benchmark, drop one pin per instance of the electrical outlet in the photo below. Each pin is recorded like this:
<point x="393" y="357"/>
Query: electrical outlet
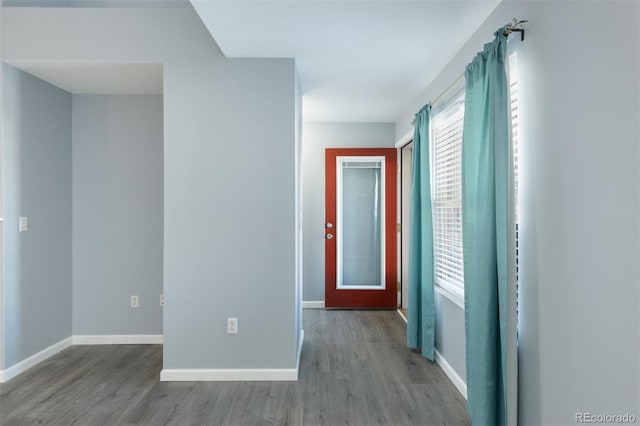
<point x="162" y="300"/>
<point x="23" y="224"/>
<point x="135" y="301"/>
<point x="232" y="325"/>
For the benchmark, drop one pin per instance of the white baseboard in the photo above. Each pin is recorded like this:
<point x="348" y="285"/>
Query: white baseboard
<point x="452" y="374"/>
<point x="233" y="374"/>
<point x="166" y="374"/>
<point x="118" y="339"/>
<point x="313" y="304"/>
<point x="300" y="343"/>
<point x="228" y="374"/>
<point x="455" y="378"/>
<point x="402" y="316"/>
<point x="27" y="363"/>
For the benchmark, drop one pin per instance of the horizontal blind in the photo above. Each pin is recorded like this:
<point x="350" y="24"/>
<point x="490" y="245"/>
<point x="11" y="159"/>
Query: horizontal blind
<point x="513" y="94"/>
<point x="447" y="198"/>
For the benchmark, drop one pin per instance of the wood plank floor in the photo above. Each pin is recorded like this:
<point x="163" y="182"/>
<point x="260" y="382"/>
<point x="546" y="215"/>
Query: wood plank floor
<point x="355" y="370"/>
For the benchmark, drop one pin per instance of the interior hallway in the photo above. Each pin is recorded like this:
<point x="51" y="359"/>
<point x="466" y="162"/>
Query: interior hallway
<point x="355" y="370"/>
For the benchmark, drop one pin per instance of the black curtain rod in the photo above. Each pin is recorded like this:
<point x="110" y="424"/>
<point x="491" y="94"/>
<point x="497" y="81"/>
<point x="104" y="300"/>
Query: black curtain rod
<point x="515" y="26"/>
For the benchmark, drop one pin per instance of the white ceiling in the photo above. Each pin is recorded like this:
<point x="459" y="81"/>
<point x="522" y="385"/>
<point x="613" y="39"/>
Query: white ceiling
<point x="98" y="78"/>
<point x="96" y="3"/>
<point x="358" y="60"/>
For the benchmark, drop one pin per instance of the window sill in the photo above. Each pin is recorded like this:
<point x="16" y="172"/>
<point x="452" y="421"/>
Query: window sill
<point x="453" y="297"/>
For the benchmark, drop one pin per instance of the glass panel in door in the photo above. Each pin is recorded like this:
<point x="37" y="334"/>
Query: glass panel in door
<point x="360" y="223"/>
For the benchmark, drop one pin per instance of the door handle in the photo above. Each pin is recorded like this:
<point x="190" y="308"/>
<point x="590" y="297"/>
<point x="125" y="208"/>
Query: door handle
<point x="329" y="236"/>
<point x="329" y="225"/>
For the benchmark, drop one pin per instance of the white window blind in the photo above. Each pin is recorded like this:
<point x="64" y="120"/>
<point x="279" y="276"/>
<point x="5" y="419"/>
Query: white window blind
<point x="447" y="186"/>
<point x="513" y="94"/>
<point x="447" y="197"/>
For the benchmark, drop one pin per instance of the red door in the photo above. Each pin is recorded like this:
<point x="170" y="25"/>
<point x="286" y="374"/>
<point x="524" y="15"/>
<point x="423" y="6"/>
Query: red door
<point x="360" y="228"/>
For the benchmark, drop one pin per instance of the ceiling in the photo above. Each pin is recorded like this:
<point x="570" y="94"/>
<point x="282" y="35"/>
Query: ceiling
<point x="95" y="3"/>
<point x="98" y="78"/>
<point x="358" y="60"/>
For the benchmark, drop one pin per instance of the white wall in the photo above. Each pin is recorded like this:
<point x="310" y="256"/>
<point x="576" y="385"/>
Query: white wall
<point x="117" y="214"/>
<point x="229" y="175"/>
<point x="316" y="137"/>
<point x="580" y="204"/>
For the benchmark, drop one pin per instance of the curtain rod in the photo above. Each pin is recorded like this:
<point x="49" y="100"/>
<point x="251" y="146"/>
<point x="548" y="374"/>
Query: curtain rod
<point x="460" y="77"/>
<point x="515" y="26"/>
<point x="444" y="92"/>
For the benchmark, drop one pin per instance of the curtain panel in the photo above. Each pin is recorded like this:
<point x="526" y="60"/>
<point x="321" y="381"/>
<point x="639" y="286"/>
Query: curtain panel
<point x="421" y="321"/>
<point x="487" y="185"/>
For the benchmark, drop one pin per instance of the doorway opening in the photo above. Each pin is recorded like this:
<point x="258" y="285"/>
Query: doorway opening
<point x="406" y="156"/>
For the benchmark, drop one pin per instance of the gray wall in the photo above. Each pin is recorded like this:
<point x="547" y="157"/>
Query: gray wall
<point x="117" y="214"/>
<point x="579" y="204"/>
<point x="37" y="184"/>
<point x="315" y="138"/>
<point x="229" y="175"/>
<point x="1" y="208"/>
<point x="230" y="215"/>
<point x="450" y="334"/>
<point x="298" y="224"/>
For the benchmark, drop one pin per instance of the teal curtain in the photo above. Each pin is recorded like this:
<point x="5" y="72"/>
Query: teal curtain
<point x="486" y="182"/>
<point x="421" y="321"/>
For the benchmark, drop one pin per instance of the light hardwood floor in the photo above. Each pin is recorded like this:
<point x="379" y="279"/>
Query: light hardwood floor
<point x="355" y="370"/>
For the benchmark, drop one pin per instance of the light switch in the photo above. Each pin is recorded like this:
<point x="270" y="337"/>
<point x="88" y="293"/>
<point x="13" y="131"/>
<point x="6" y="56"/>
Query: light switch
<point x="23" y="225"/>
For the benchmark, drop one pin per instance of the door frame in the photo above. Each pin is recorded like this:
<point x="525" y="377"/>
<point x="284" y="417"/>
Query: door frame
<point x="404" y="193"/>
<point x="362" y="299"/>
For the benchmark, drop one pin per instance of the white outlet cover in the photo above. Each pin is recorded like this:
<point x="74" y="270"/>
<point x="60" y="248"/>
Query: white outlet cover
<point x="162" y="300"/>
<point x="232" y="325"/>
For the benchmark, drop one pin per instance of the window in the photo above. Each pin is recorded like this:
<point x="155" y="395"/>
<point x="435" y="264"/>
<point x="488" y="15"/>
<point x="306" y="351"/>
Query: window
<point x="447" y="183"/>
<point x="447" y="197"/>
<point x="513" y="93"/>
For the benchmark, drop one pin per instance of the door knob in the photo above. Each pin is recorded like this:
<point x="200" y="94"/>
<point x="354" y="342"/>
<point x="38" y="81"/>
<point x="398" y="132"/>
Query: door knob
<point x="329" y="236"/>
<point x="329" y="225"/>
